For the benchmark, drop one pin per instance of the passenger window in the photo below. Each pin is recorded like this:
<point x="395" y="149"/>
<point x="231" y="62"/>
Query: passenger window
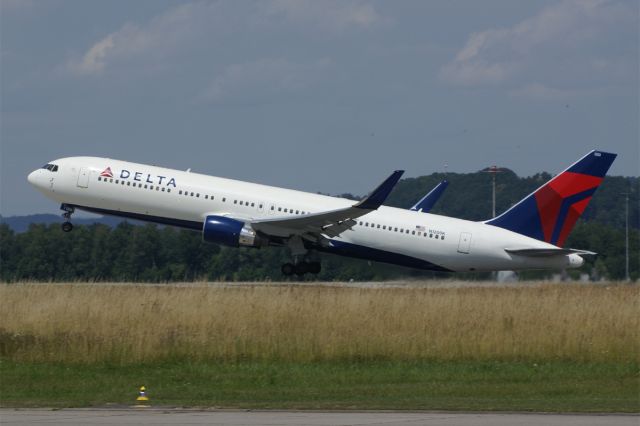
<point x="128" y="183"/>
<point x="180" y="192"/>
<point x="224" y="199"/>
<point x="235" y="201"/>
<point x="110" y="180"/>
<point x="279" y="209"/>
<point x="252" y="204"/>
<point x="395" y="229"/>
<point x="413" y="232"/>
<point x="378" y="226"/>
<point x="162" y="189"/>
<point x="206" y="197"/>
<point x="197" y="195"/>
<point x="151" y="187"/>
<point x="168" y="189"/>
<point x="117" y="181"/>
<point x="145" y="187"/>
<point x="273" y="208"/>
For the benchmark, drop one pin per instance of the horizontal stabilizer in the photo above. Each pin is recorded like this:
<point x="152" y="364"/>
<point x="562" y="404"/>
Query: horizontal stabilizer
<point x="547" y="252"/>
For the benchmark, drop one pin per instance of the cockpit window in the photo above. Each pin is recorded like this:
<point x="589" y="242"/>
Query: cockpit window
<point x="51" y="167"/>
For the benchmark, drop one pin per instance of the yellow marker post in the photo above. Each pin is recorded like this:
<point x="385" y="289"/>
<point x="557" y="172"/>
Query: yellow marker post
<point x="142" y="396"/>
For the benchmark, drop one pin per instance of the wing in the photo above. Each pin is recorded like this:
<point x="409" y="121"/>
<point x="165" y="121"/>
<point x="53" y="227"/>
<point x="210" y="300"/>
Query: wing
<point x="330" y="223"/>
<point x="426" y="203"/>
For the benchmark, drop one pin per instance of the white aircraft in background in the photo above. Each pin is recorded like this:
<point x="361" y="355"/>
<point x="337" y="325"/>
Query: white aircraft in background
<point x="529" y="235"/>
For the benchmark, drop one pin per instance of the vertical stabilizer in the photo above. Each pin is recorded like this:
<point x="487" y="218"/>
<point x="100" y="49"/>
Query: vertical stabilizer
<point x="549" y="213"/>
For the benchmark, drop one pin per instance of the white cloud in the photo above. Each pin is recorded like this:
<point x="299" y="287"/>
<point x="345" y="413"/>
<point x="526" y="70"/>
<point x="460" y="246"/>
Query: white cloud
<point x="158" y="37"/>
<point x="93" y="60"/>
<point x="559" y="35"/>
<point x="188" y="24"/>
<point x="266" y="76"/>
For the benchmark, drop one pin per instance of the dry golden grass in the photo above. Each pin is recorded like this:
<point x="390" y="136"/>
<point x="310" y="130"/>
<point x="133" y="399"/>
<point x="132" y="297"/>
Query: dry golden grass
<point x="134" y="323"/>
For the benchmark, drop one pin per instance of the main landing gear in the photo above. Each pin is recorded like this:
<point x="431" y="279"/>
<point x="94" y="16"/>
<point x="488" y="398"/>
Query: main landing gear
<point x="301" y="268"/>
<point x="67" y="226"/>
<point x="304" y="260"/>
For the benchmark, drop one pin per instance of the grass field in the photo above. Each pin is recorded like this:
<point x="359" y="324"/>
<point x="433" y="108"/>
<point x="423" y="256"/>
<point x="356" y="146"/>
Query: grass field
<point x="527" y="347"/>
<point x="555" y="386"/>
<point x="143" y="323"/>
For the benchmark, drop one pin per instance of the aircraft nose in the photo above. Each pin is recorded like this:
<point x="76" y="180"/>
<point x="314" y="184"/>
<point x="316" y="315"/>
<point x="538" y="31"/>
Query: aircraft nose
<point x="35" y="178"/>
<point x="32" y="177"/>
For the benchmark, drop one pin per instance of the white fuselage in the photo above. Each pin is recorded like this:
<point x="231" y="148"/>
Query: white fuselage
<point x="185" y="199"/>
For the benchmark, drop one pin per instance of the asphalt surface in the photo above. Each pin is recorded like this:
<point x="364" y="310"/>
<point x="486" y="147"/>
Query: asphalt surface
<point x="156" y="416"/>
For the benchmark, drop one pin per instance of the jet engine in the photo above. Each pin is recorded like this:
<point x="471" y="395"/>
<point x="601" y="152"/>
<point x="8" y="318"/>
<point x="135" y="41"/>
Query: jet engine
<point x="230" y="232"/>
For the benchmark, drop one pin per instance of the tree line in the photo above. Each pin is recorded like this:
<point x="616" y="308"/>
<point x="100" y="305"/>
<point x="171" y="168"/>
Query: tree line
<point x="151" y="253"/>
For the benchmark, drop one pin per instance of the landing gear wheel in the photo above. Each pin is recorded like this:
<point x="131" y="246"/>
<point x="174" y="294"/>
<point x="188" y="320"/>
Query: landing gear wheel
<point x="287" y="269"/>
<point x="301" y="268"/>
<point x="67" y="226"/>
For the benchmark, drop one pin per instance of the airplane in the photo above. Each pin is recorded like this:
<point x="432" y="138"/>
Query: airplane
<point x="529" y="235"/>
<point x="426" y="203"/>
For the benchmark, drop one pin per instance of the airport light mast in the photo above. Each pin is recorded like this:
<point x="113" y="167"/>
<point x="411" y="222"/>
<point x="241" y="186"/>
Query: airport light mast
<point x="626" y="236"/>
<point x="493" y="170"/>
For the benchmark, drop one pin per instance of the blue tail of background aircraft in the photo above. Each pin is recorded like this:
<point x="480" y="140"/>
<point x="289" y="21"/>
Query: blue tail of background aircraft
<point x="427" y="202"/>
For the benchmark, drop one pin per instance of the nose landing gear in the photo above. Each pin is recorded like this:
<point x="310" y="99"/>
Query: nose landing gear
<point x="67" y="226"/>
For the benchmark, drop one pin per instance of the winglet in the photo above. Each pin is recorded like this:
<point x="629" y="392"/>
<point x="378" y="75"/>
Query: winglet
<point x="427" y="202"/>
<point x="377" y="197"/>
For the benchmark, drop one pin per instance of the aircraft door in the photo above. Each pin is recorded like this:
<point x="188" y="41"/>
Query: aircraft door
<point x="464" y="245"/>
<point x="83" y="177"/>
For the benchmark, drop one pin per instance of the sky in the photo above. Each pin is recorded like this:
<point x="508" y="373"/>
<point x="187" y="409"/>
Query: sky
<point x="327" y="96"/>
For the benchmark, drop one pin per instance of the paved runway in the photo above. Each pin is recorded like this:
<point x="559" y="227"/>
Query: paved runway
<point x="156" y="416"/>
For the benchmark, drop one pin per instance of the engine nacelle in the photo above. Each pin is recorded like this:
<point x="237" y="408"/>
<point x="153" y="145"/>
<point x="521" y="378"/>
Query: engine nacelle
<point x="230" y="232"/>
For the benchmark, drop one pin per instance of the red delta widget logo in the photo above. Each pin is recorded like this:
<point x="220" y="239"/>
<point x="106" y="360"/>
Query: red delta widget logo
<point x="141" y="177"/>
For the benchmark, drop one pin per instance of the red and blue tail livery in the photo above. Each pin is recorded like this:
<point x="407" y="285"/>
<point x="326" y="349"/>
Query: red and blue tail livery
<point x="549" y="213"/>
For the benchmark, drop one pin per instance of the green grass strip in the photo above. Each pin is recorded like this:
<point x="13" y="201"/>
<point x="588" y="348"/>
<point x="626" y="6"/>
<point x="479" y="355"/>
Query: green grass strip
<point x="550" y="387"/>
